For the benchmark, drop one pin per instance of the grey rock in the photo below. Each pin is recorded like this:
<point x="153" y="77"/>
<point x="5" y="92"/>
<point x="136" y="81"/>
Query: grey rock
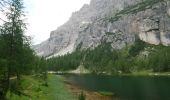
<point x="90" y="26"/>
<point x="168" y="8"/>
<point x="165" y="31"/>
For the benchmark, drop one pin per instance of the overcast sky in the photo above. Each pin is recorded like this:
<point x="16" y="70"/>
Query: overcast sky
<point x="45" y="16"/>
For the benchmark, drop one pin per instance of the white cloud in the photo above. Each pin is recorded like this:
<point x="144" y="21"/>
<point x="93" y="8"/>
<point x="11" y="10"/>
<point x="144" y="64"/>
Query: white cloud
<point x="46" y="15"/>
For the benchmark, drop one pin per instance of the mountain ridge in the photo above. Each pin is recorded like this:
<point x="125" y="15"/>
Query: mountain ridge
<point x="96" y="22"/>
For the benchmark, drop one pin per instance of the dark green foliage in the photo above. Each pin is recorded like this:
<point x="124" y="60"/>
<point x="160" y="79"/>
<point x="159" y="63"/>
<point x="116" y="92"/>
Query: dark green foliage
<point x="124" y="62"/>
<point x="12" y="40"/>
<point x="109" y="33"/>
<point x="16" y="56"/>
<point x="82" y="96"/>
<point x="100" y="58"/>
<point x="41" y="70"/>
<point x="66" y="62"/>
<point x="3" y="78"/>
<point x="137" y="47"/>
<point x="159" y="59"/>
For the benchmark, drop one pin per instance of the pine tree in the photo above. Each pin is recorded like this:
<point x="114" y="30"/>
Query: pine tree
<point x="12" y="38"/>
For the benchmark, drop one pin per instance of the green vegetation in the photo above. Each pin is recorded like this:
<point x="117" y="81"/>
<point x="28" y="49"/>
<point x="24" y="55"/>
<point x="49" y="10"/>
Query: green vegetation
<point x="141" y="58"/>
<point x="106" y="93"/>
<point x="66" y="62"/>
<point x="109" y="33"/>
<point x="82" y="96"/>
<point x="35" y="90"/>
<point x="159" y="59"/>
<point x="16" y="56"/>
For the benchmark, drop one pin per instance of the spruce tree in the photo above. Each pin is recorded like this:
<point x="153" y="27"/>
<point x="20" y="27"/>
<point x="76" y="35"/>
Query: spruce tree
<point x="12" y="38"/>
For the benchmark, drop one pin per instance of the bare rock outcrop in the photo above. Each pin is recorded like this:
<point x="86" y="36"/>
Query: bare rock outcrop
<point x="115" y="21"/>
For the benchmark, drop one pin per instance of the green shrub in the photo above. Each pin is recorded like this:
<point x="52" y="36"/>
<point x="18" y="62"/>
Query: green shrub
<point x="82" y="96"/>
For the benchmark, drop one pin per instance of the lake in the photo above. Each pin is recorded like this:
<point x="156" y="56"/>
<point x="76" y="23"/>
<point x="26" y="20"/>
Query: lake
<point x="126" y="87"/>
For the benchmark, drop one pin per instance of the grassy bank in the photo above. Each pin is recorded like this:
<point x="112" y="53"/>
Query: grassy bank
<point x="35" y="90"/>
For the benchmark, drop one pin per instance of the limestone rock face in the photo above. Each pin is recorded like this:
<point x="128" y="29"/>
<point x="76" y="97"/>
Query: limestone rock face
<point x="149" y="31"/>
<point x="168" y="12"/>
<point x="165" y="31"/>
<point x="168" y="8"/>
<point x="91" y="25"/>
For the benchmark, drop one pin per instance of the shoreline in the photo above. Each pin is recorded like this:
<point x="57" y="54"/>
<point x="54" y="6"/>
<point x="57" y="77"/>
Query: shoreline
<point x="140" y="73"/>
<point x="76" y="90"/>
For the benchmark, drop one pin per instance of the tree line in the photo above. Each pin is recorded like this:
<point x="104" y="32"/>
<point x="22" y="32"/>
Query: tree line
<point x="137" y="57"/>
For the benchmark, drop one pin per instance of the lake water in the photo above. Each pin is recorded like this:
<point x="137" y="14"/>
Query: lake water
<point x="126" y="87"/>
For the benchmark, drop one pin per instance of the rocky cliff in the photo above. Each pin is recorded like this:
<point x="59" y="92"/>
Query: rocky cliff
<point x="116" y="21"/>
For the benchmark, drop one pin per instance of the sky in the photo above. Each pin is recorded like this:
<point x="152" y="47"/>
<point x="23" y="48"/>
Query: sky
<point x="44" y="16"/>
